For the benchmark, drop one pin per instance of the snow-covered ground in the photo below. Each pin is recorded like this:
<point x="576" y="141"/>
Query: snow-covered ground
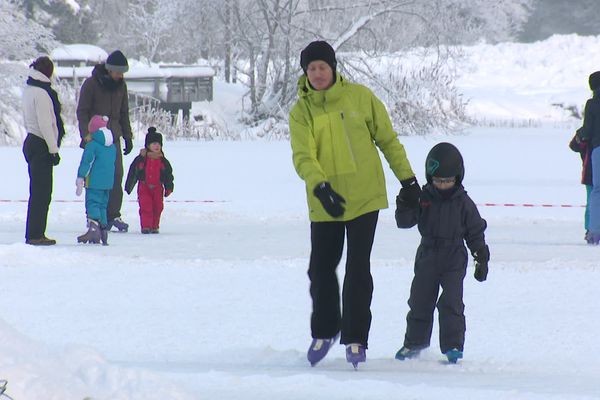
<point x="217" y="307"/>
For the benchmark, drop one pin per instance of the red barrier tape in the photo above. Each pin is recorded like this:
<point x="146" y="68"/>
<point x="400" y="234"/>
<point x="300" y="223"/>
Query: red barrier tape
<point x="528" y="205"/>
<point x="131" y="201"/>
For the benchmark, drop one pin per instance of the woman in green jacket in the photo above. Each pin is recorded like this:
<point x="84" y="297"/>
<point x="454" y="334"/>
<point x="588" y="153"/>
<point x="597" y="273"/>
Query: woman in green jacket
<point x="335" y="130"/>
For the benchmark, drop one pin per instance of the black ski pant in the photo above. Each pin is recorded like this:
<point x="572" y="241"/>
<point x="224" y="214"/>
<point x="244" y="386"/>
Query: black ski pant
<point x="327" y="241"/>
<point x="39" y="166"/>
<point x="115" y="199"/>
<point x="437" y="265"/>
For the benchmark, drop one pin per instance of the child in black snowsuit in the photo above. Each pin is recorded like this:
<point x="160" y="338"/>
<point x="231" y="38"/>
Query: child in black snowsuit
<point x="447" y="218"/>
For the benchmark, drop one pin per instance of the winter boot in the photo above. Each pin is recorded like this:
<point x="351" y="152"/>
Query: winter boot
<point x="118" y="223"/>
<point x="453" y="355"/>
<point x="92" y="235"/>
<point x="43" y="241"/>
<point x="406" y="354"/>
<point x="355" y="353"/>
<point x="155" y="230"/>
<point x="319" y="348"/>
<point x="104" y="235"/>
<point x="146" y="230"/>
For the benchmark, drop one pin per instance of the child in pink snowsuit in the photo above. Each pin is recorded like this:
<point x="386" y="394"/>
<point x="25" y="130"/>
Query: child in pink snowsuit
<point x="154" y="172"/>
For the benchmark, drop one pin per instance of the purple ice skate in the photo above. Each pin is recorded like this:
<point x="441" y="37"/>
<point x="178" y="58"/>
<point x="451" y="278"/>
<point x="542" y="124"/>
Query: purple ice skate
<point x="355" y="353"/>
<point x="319" y="348"/>
<point x="118" y="223"/>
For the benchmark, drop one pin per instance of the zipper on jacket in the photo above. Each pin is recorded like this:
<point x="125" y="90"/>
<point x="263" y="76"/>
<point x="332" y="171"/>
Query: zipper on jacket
<point x="347" y="138"/>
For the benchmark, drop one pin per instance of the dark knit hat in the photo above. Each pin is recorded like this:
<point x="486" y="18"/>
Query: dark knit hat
<point x="318" y="50"/>
<point x="153" y="137"/>
<point x="444" y="161"/>
<point x="594" y="80"/>
<point x="44" y="65"/>
<point x="117" y="62"/>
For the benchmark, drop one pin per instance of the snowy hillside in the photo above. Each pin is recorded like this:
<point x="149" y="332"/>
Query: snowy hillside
<point x="217" y="307"/>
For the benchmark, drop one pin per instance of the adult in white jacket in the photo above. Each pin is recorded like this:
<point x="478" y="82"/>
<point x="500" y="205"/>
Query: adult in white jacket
<point x="44" y="126"/>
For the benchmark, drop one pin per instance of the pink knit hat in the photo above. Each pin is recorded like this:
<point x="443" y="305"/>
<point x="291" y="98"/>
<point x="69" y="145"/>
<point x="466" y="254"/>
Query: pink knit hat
<point x="97" y="122"/>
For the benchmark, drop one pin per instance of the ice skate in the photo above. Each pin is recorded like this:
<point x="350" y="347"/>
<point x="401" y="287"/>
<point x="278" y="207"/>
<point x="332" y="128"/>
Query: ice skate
<point x="92" y="235"/>
<point x="118" y="223"/>
<point x="355" y="353"/>
<point x="453" y="355"/>
<point x="319" y="348"/>
<point x="104" y="235"/>
<point x="406" y="354"/>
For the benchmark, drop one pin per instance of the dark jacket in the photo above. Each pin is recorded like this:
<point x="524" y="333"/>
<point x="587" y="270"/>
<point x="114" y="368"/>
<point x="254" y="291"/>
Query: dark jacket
<point x="137" y="172"/>
<point x="101" y="95"/>
<point x="590" y="131"/>
<point x="585" y="151"/>
<point x="445" y="221"/>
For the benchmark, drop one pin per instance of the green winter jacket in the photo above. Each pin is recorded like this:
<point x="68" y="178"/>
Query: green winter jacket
<point x="333" y="134"/>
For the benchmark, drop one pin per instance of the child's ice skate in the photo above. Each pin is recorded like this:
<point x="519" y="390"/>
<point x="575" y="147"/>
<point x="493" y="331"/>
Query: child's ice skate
<point x="92" y="235"/>
<point x="104" y="235"/>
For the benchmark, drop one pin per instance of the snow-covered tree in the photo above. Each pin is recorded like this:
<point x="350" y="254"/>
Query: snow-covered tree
<point x="20" y="39"/>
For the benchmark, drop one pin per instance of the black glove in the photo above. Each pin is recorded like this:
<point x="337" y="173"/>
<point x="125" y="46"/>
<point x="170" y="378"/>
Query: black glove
<point x="481" y="256"/>
<point x="54" y="158"/>
<point x="332" y="202"/>
<point x="128" y="146"/>
<point x="410" y="193"/>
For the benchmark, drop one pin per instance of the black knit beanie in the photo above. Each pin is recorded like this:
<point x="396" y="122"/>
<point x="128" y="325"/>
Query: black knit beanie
<point x="594" y="80"/>
<point x="117" y="62"/>
<point x="153" y="137"/>
<point x="318" y="50"/>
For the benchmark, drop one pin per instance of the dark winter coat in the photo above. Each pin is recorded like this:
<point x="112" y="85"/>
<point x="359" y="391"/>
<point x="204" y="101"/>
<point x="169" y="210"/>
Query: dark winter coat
<point x="585" y="151"/>
<point x="590" y="131"/>
<point x="443" y="221"/>
<point x="101" y="95"/>
<point x="137" y="172"/>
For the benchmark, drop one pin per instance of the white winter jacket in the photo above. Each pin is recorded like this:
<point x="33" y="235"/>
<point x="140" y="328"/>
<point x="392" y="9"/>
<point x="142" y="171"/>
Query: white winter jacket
<point x="38" y="112"/>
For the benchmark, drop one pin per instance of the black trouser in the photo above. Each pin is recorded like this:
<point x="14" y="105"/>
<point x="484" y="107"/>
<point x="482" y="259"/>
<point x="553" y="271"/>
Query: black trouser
<point x="115" y="199"/>
<point x="327" y="240"/>
<point x="437" y="267"/>
<point x="40" y="167"/>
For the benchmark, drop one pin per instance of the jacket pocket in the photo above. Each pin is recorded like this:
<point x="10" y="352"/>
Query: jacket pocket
<point x="334" y="152"/>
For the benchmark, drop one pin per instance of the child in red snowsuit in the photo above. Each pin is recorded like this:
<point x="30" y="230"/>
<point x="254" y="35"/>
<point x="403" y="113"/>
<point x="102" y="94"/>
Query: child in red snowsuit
<point x="154" y="172"/>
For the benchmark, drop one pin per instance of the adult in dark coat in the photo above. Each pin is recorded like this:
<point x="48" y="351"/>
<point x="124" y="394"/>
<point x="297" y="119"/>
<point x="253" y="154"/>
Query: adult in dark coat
<point x="44" y="126"/>
<point x="447" y="218"/>
<point x="589" y="133"/>
<point x="105" y="93"/>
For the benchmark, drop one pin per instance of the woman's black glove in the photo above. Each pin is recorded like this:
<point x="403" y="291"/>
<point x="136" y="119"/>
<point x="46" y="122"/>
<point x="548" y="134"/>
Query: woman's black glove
<point x="332" y="202"/>
<point x="482" y="257"/>
<point x="54" y="159"/>
<point x="410" y="193"/>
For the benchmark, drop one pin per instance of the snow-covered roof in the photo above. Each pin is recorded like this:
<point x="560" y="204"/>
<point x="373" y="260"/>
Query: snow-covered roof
<point x="79" y="52"/>
<point x="139" y="71"/>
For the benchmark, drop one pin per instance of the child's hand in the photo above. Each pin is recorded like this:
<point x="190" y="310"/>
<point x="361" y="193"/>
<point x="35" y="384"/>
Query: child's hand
<point x="168" y="192"/>
<point x="79" y="183"/>
<point x="482" y="257"/>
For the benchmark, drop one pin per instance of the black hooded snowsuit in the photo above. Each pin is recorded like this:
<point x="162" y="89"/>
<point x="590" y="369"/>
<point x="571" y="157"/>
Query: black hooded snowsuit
<point x="446" y="221"/>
